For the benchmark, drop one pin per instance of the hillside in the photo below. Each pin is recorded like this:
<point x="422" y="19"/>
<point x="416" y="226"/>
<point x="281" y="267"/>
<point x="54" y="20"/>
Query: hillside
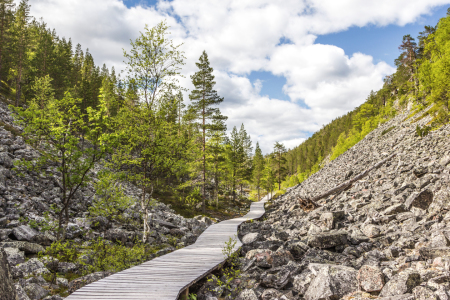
<point x="384" y="237"/>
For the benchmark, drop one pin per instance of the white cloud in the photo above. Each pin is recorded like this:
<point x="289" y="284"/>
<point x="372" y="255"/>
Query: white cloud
<point x="242" y="36"/>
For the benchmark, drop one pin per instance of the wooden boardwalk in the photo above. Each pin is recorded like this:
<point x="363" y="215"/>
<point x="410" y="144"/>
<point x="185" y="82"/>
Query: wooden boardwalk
<point x="167" y="276"/>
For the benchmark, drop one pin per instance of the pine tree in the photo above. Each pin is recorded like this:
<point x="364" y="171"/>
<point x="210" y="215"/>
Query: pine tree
<point x="6" y="17"/>
<point x="279" y="161"/>
<point x="204" y="98"/>
<point x="21" y="39"/>
<point x="258" y="168"/>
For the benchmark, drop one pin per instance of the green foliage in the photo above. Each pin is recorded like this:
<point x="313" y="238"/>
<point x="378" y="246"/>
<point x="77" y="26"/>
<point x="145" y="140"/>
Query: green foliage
<point x="422" y="131"/>
<point x="192" y="296"/>
<point x="63" y="251"/>
<point x="231" y="271"/>
<point x="56" y="127"/>
<point x="107" y="256"/>
<point x="110" y="200"/>
<point x="387" y="130"/>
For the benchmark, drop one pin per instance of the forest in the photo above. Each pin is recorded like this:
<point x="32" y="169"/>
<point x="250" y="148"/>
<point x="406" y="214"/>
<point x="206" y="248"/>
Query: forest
<point x="139" y="128"/>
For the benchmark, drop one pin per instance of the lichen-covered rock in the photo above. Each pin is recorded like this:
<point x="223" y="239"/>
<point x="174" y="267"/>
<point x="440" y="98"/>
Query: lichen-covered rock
<point x="31" y="267"/>
<point x="250" y="238"/>
<point x="332" y="282"/>
<point x="14" y="256"/>
<point x="328" y="239"/>
<point x="247" y="294"/>
<point x="7" y="288"/>
<point x="432" y="253"/>
<point x="35" y="291"/>
<point x="270" y="294"/>
<point x="281" y="258"/>
<point x="24" y="233"/>
<point x="370" y="278"/>
<point x="28" y="248"/>
<point x="423" y="293"/>
<point x="402" y="283"/>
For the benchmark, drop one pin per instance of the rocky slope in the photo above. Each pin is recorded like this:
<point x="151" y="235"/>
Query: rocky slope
<point x="386" y="237"/>
<point x="24" y="200"/>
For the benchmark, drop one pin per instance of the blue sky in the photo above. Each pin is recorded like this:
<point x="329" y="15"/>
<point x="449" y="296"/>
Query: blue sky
<point x="331" y="55"/>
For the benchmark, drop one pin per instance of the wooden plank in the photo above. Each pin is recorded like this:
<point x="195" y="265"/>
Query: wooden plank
<point x="165" y="277"/>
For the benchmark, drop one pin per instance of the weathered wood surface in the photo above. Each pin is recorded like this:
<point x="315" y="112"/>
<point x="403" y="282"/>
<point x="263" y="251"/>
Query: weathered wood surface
<point x="165" y="277"/>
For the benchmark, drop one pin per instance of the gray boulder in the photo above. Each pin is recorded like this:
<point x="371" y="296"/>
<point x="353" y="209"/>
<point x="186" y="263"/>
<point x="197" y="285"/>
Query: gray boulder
<point x="28" y="248"/>
<point x="420" y="200"/>
<point x="33" y="266"/>
<point x="402" y="283"/>
<point x="328" y="240"/>
<point x="247" y="294"/>
<point x="35" y="291"/>
<point x="332" y="282"/>
<point x="432" y="253"/>
<point x="250" y="238"/>
<point x="24" y="233"/>
<point x="14" y="256"/>
<point x="370" y="278"/>
<point x="7" y="288"/>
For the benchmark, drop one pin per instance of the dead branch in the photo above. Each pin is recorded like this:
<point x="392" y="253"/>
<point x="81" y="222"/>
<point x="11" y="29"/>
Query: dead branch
<point x="310" y="204"/>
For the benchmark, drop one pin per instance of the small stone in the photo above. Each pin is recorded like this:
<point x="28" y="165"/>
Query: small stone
<point x="14" y="256"/>
<point x="395" y="209"/>
<point x="371" y="230"/>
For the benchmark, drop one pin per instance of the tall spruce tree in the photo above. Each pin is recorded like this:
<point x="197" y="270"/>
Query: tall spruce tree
<point x="279" y="161"/>
<point x="6" y="17"/>
<point x="204" y="98"/>
<point x="20" y="44"/>
<point x="258" y="168"/>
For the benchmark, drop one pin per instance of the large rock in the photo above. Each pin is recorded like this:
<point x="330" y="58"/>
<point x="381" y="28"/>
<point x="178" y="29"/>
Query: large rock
<point x="250" y="238"/>
<point x="24" y="233"/>
<point x="247" y="294"/>
<point x="297" y="249"/>
<point x="35" y="291"/>
<point x="420" y="200"/>
<point x="423" y="293"/>
<point x="432" y="253"/>
<point x="7" y="288"/>
<point x="395" y="209"/>
<point x="332" y="282"/>
<point x="14" y="256"/>
<point x="328" y="240"/>
<point x="281" y="258"/>
<point x="402" y="283"/>
<point x="370" y="278"/>
<point x="330" y="219"/>
<point x="28" y="248"/>
<point x="31" y="267"/>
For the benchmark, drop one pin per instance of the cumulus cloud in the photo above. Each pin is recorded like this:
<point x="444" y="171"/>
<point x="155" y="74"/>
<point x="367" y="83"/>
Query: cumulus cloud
<point x="241" y="36"/>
